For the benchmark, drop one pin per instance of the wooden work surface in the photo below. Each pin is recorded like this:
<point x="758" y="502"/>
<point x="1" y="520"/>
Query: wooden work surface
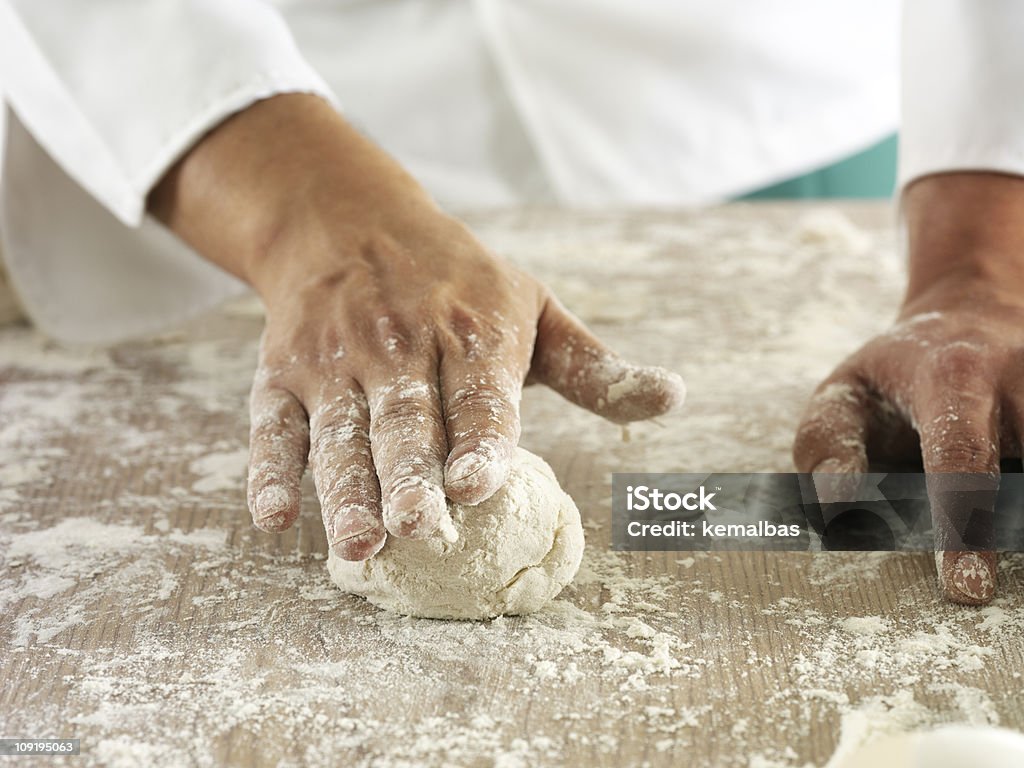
<point x="143" y="614"/>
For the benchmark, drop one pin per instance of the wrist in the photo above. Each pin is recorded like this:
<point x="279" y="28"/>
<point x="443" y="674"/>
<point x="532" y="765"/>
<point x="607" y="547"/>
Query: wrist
<point x="965" y="238"/>
<point x="258" y="194"/>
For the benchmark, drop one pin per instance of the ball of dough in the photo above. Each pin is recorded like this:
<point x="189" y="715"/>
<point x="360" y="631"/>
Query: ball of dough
<point x="515" y="552"/>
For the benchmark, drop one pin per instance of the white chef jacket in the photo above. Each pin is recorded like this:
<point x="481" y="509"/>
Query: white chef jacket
<point x="487" y="102"/>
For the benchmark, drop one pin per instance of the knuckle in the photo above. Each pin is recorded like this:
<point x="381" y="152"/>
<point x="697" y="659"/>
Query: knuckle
<point x="393" y="335"/>
<point x="486" y="402"/>
<point x="275" y="413"/>
<point x="353" y="489"/>
<point x="485" y="439"/>
<point x="472" y="332"/>
<point x="958" y="361"/>
<point x="961" y="453"/>
<point x="269" y="381"/>
<point x="406" y="415"/>
<point x="344" y="410"/>
<point x="836" y="393"/>
<point x="330" y="343"/>
<point x="338" y="428"/>
<point x="344" y="497"/>
<point x="336" y="436"/>
<point x="302" y="340"/>
<point x="284" y="343"/>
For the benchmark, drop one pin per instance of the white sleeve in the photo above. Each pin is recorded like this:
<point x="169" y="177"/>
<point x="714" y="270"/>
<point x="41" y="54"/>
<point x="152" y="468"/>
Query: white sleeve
<point x="963" y="69"/>
<point x="100" y="98"/>
<point x="116" y="90"/>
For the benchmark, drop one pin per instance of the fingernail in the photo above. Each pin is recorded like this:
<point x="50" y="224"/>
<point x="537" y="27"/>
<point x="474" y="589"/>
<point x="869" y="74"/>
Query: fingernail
<point x="272" y="507"/>
<point x="972" y="576"/>
<point x="465" y="467"/>
<point x="477" y="475"/>
<point x="358" y="534"/>
<point x="639" y="393"/>
<point x="273" y="523"/>
<point x="361" y="545"/>
<point x="415" y="512"/>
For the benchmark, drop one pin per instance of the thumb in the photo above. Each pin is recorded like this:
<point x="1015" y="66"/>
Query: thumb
<point x="569" y="358"/>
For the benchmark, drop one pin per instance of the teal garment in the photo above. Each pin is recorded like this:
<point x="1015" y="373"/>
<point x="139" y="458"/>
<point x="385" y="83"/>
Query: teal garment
<point x="867" y="174"/>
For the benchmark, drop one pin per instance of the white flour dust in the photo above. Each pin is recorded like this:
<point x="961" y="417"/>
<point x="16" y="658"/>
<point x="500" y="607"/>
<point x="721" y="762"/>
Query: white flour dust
<point x="141" y="612"/>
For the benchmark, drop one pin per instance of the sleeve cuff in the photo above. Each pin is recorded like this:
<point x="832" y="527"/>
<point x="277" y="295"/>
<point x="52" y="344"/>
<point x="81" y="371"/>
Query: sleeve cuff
<point x="962" y="69"/>
<point x="117" y="92"/>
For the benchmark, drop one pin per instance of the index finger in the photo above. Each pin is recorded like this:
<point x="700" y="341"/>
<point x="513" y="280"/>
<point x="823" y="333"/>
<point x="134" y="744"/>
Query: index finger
<point x="831" y="441"/>
<point x="409" y="446"/>
<point x="958" y="423"/>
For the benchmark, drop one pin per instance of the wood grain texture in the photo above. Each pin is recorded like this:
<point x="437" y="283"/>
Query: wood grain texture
<point x="142" y="613"/>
